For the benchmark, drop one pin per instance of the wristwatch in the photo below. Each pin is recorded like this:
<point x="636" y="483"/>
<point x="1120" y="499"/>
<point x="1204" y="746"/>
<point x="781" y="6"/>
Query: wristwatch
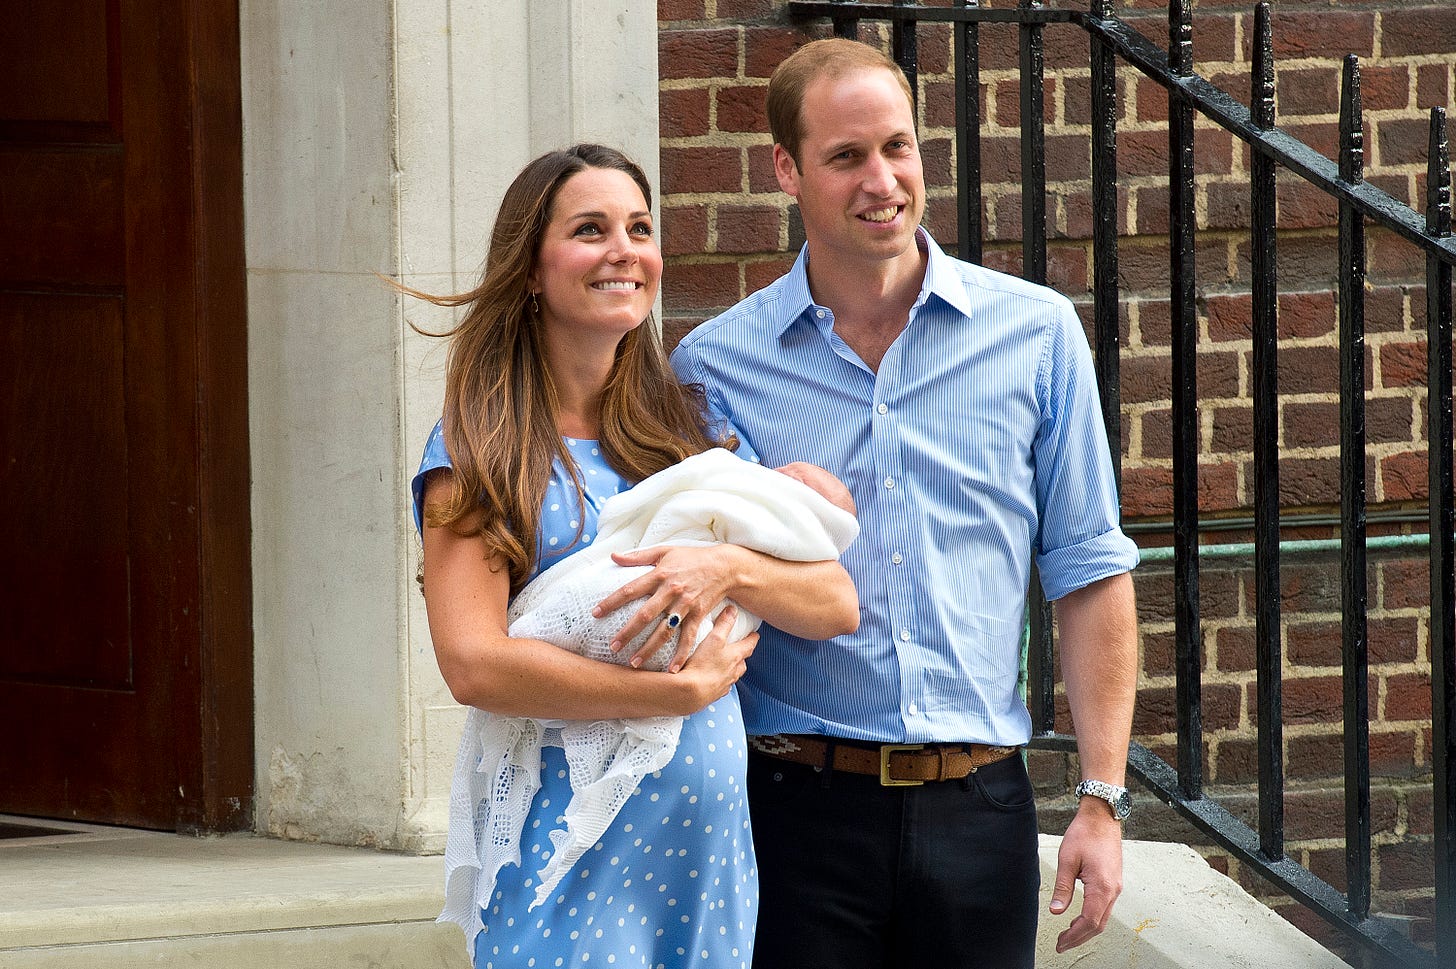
<point x="1117" y="798"/>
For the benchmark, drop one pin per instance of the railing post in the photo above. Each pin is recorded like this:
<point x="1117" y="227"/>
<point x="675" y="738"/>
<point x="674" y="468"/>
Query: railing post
<point x="1186" y="623"/>
<point x="1266" y="452"/>
<point x="1033" y="267"/>
<point x="846" y="26"/>
<point x="1105" y="302"/>
<point x="1352" y="500"/>
<point x="905" y="51"/>
<point x="1442" y="525"/>
<point x="968" y="136"/>
<point x="1033" y="151"/>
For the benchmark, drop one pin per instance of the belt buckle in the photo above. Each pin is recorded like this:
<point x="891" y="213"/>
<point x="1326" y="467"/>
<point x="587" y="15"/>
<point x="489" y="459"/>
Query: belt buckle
<point x="885" y="751"/>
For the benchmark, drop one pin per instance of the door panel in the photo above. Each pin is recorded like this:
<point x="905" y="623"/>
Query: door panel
<point x="56" y="61"/>
<point x="62" y="209"/>
<point x="119" y="303"/>
<point x="65" y="426"/>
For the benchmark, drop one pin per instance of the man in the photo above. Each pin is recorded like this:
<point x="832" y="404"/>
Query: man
<point x="959" y="406"/>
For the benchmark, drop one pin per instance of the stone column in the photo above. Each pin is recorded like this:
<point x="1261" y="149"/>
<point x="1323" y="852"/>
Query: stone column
<point x="378" y="138"/>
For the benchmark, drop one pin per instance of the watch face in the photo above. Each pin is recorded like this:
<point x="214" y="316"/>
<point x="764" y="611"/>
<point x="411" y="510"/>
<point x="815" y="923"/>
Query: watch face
<point x="1122" y="806"/>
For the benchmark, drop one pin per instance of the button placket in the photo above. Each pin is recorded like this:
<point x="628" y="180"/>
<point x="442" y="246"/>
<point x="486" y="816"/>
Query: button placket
<point x="899" y="517"/>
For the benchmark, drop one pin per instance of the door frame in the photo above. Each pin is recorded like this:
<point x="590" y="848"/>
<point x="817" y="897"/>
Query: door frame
<point x="212" y="577"/>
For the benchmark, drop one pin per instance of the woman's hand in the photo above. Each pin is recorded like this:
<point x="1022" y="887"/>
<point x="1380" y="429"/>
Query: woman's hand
<point x="812" y="600"/>
<point x="686" y="582"/>
<point x="718" y="664"/>
<point x="466" y="595"/>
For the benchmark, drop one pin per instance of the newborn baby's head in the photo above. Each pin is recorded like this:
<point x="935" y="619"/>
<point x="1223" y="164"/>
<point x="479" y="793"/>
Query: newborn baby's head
<point x="827" y="485"/>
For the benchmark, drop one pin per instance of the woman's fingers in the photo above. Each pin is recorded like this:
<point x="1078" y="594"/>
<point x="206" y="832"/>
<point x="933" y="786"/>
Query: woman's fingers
<point x="684" y="585"/>
<point x="654" y="609"/>
<point x="670" y="624"/>
<point x="718" y="663"/>
<point x="685" y="637"/>
<point x="637" y="588"/>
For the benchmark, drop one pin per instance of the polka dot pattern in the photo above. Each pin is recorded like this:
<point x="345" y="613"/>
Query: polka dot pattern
<point x="672" y="883"/>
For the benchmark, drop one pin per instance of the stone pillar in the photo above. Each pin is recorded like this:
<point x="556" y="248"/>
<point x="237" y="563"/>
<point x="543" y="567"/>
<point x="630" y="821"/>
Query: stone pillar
<point x="378" y="139"/>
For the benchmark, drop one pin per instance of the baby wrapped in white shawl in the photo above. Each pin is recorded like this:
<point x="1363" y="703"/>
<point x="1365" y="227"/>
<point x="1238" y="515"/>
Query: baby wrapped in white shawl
<point x="709" y="498"/>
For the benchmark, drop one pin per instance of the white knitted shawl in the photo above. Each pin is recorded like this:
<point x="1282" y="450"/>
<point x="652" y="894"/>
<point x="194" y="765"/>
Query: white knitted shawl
<point x="709" y="498"/>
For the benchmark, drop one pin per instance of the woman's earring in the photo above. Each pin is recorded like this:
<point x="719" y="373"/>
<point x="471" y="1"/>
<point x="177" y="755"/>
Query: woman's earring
<point x="535" y="305"/>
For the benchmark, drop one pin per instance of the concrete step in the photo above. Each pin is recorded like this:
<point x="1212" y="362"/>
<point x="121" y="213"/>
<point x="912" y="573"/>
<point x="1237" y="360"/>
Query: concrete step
<point x="124" y="899"/>
<point x="1176" y="912"/>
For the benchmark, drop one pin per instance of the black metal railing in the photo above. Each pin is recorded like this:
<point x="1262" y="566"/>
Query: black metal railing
<point x="1112" y="40"/>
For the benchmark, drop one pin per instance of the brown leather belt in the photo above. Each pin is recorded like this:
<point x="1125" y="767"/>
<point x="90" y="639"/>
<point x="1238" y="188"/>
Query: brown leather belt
<point x="896" y="765"/>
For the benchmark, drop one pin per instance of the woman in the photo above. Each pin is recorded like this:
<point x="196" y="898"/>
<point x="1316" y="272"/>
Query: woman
<point x="557" y="397"/>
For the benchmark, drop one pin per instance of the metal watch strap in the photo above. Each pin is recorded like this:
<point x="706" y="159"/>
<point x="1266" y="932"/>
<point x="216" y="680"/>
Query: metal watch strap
<point x="1116" y="797"/>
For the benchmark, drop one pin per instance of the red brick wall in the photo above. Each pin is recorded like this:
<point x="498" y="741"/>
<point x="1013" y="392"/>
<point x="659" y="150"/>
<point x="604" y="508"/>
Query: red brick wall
<point x="728" y="231"/>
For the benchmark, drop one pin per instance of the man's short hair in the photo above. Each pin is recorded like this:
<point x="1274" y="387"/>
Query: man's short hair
<point x="831" y="58"/>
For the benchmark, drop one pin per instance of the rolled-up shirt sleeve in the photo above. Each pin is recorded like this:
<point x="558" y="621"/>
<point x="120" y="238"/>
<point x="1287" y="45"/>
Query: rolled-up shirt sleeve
<point x="1079" y="536"/>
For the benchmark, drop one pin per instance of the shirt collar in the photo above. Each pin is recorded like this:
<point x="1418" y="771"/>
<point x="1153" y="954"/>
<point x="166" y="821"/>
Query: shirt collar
<point x="941" y="279"/>
<point x="795" y="300"/>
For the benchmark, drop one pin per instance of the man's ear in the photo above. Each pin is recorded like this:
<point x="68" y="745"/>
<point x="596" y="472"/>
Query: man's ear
<point x="786" y="170"/>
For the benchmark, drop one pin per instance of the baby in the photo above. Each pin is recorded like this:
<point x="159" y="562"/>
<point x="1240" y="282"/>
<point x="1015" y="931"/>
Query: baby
<point x="701" y="501"/>
<point x="798" y="513"/>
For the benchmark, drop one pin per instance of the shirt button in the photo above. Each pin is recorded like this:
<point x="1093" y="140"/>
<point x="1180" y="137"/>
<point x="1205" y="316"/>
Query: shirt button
<point x="914" y="710"/>
<point x="819" y="313"/>
<point x="905" y="635"/>
<point x="897" y="558"/>
<point x="889" y="482"/>
<point x="883" y="409"/>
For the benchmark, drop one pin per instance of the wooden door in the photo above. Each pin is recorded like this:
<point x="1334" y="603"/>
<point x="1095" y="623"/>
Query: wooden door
<point x="125" y="652"/>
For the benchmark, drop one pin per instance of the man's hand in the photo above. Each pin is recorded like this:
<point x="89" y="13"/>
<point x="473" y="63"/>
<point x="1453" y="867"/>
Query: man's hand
<point x="1092" y="854"/>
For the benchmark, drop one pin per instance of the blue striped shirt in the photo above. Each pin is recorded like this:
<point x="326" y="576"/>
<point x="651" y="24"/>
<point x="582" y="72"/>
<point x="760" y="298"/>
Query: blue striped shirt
<point x="976" y="444"/>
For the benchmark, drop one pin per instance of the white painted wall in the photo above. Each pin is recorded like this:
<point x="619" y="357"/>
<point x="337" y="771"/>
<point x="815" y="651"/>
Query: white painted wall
<point x="378" y="138"/>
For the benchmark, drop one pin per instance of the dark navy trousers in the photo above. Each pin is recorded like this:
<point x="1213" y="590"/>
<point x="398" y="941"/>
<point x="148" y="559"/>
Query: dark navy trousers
<point x="857" y="876"/>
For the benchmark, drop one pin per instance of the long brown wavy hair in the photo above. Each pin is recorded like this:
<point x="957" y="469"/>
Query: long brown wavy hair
<point x="501" y="409"/>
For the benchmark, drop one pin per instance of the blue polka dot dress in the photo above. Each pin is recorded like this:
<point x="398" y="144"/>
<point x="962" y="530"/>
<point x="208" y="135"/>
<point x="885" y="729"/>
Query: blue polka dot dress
<point x="673" y="882"/>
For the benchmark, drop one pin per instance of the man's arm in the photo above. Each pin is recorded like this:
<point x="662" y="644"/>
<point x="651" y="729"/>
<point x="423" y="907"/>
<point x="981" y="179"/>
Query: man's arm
<point x="1097" y="634"/>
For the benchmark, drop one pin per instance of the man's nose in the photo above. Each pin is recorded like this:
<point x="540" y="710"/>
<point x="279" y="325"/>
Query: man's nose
<point x="879" y="175"/>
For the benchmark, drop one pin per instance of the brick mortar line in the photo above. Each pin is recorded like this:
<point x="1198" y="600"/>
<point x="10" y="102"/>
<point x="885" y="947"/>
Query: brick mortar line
<point x="721" y="139"/>
<point x="1292" y="731"/>
<point x="707" y="83"/>
<point x="1378" y="452"/>
<point x="723" y="198"/>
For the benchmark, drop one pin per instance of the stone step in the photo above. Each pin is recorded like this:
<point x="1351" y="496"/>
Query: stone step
<point x="1176" y="912"/>
<point x="125" y="899"/>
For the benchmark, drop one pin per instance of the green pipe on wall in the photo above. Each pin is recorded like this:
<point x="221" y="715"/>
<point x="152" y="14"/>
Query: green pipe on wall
<point x="1245" y="550"/>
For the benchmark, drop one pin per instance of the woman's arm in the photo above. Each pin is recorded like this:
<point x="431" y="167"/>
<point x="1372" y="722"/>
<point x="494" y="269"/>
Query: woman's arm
<point x="466" y="598"/>
<point x="813" y="600"/>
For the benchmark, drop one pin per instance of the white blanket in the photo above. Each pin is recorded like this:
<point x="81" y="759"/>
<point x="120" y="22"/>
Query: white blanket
<point x="710" y="498"/>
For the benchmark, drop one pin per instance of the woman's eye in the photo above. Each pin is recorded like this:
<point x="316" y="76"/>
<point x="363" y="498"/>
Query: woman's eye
<point x="642" y="229"/>
<point x="587" y="229"/>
